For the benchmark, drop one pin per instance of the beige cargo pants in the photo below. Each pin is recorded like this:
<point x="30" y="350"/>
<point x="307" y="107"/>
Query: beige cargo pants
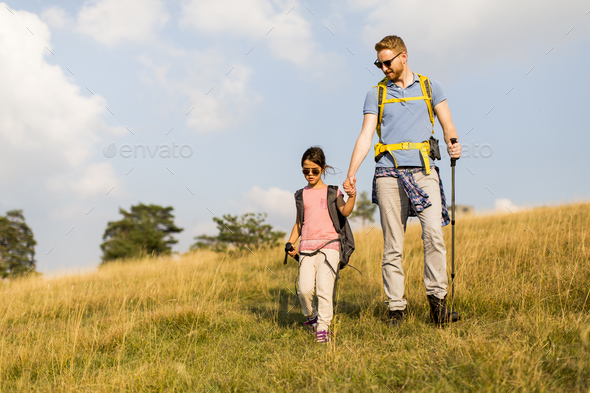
<point x="315" y="273"/>
<point x="393" y="209"/>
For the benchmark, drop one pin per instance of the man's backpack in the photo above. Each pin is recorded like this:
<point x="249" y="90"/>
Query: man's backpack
<point x="341" y="225"/>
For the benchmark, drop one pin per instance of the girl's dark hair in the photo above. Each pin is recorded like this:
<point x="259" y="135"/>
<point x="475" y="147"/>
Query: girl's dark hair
<point x="316" y="155"/>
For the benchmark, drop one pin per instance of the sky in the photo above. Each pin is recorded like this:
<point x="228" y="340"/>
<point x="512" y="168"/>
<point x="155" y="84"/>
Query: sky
<point x="207" y="106"/>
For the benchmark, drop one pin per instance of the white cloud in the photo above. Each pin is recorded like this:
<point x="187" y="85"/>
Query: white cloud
<point x="43" y="116"/>
<point x="278" y="24"/>
<point x="454" y="32"/>
<point x="204" y="228"/>
<point x="218" y="101"/>
<point x="96" y="179"/>
<point x="279" y="205"/>
<point x="220" y="96"/>
<point x="56" y="17"/>
<point x="110" y="22"/>
<point x="249" y="18"/>
<point x="48" y="129"/>
<point x="229" y="104"/>
<point x="272" y="201"/>
<point x="503" y="205"/>
<point x="68" y="212"/>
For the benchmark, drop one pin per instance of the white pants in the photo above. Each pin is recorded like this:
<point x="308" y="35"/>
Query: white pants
<point x="314" y="272"/>
<point x="393" y="209"/>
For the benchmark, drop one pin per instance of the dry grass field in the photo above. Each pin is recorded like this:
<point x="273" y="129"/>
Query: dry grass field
<point x="209" y="322"/>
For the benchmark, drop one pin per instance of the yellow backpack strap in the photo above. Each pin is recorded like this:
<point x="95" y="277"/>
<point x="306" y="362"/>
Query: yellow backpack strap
<point x="382" y="98"/>
<point x="427" y="92"/>
<point x="424" y="147"/>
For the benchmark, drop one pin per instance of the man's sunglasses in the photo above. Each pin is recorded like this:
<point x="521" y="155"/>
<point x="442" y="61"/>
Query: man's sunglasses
<point x="314" y="171"/>
<point x="387" y="63"/>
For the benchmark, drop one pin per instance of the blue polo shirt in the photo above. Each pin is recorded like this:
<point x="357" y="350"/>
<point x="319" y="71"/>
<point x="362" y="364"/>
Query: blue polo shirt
<point x="404" y="121"/>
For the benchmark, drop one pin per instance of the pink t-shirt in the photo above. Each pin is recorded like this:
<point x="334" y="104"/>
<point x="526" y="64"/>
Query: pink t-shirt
<point x="317" y="227"/>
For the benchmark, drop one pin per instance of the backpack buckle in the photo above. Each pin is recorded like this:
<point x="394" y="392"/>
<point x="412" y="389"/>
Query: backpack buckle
<point x="405" y="146"/>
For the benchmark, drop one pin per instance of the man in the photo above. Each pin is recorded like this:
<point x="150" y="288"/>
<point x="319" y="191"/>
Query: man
<point x="399" y="109"/>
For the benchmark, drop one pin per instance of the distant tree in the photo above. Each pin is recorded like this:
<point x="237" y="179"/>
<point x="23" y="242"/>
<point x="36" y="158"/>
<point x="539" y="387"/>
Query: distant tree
<point x="364" y="209"/>
<point x="17" y="245"/>
<point x="240" y="233"/>
<point x="145" y="230"/>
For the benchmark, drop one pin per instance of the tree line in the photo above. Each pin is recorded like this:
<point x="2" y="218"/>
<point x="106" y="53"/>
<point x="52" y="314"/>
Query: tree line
<point x="148" y="230"/>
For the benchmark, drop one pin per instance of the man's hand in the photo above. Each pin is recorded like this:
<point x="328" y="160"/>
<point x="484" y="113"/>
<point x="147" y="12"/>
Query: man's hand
<point x="349" y="184"/>
<point x="349" y="187"/>
<point x="454" y="150"/>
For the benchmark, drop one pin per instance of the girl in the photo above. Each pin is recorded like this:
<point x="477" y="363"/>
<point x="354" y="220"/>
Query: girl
<point x="319" y="258"/>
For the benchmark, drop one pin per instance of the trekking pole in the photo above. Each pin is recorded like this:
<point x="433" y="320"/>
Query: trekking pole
<point x="453" y="162"/>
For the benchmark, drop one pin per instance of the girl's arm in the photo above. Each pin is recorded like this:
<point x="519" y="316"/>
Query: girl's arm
<point x="346" y="208"/>
<point x="294" y="236"/>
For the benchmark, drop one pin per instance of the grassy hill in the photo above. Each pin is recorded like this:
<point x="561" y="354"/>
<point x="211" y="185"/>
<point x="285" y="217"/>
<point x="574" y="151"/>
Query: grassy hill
<point x="207" y="322"/>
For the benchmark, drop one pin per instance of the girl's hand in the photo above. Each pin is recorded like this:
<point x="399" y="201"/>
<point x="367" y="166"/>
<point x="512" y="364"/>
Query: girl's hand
<point x="348" y="186"/>
<point x="351" y="192"/>
<point x="293" y="252"/>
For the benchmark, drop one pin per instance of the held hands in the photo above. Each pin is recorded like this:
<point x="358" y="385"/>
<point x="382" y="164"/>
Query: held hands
<point x="351" y="193"/>
<point x="349" y="186"/>
<point x="454" y="150"/>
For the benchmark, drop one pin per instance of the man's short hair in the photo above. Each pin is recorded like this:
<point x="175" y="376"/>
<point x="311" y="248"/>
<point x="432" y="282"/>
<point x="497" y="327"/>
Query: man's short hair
<point x="391" y="42"/>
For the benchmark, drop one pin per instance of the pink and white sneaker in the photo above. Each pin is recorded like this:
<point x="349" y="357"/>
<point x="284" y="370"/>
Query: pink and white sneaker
<point x="312" y="323"/>
<point x="323" y="336"/>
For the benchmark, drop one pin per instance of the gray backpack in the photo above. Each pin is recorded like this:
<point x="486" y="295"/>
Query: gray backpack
<point x="341" y="225"/>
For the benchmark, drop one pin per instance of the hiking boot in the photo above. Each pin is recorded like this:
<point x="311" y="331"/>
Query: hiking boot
<point x="312" y="323"/>
<point x="396" y="317"/>
<point x="323" y="336"/>
<point x="439" y="313"/>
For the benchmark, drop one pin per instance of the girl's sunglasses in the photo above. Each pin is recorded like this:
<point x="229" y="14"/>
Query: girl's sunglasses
<point x="314" y="171"/>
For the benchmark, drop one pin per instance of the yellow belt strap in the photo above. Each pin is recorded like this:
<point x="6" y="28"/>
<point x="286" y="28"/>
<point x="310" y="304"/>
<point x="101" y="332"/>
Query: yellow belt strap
<point x="424" y="148"/>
